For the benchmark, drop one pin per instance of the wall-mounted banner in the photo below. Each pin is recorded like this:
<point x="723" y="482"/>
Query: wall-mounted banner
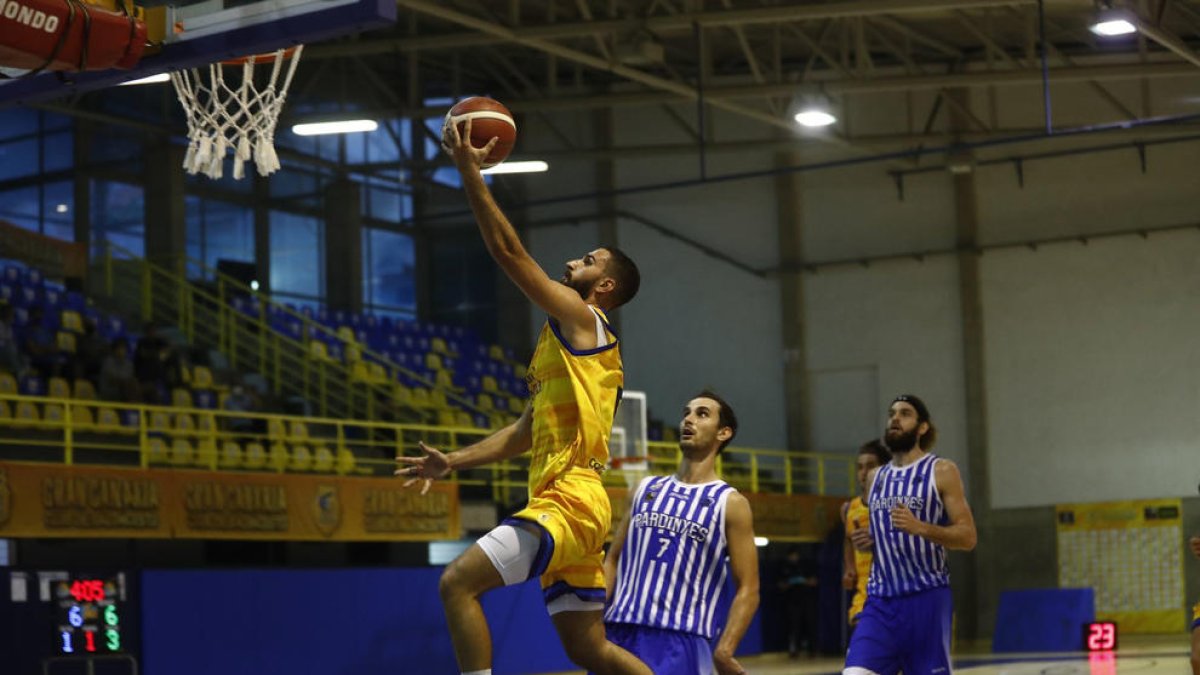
<point x="38" y="500"/>
<point x="1131" y="553"/>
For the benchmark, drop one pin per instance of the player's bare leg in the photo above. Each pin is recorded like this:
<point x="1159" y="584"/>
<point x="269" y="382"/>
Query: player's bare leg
<point x="464" y="581"/>
<point x="582" y="635"/>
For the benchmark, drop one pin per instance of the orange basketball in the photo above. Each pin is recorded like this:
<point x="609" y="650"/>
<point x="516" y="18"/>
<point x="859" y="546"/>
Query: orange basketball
<point x="489" y="119"/>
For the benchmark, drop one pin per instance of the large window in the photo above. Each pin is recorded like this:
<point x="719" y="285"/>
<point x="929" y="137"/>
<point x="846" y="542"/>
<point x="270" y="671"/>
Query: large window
<point x="217" y="231"/>
<point x="35" y="145"/>
<point x="297" y="256"/>
<point x="119" y="216"/>
<point x="388" y="273"/>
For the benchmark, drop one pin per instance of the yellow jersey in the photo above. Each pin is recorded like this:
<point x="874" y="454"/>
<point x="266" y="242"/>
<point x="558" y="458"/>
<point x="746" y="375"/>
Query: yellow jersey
<point x="574" y="393"/>
<point x="858" y="516"/>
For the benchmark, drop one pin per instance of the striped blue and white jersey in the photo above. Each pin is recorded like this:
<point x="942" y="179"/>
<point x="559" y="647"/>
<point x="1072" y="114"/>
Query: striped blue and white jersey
<point x="675" y="559"/>
<point x="905" y="563"/>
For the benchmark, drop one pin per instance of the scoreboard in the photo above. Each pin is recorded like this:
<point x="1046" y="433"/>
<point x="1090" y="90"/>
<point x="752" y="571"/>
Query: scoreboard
<point x="68" y="615"/>
<point x="88" y="616"/>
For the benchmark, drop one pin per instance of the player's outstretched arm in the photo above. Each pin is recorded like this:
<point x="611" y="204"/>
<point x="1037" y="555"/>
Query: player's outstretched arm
<point x="960" y="533"/>
<point x="743" y="563"/>
<point x="556" y="299"/>
<point x="510" y="441"/>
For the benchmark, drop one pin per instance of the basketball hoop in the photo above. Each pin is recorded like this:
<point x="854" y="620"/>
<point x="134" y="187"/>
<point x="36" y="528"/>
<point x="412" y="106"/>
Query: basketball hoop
<point x="240" y="118"/>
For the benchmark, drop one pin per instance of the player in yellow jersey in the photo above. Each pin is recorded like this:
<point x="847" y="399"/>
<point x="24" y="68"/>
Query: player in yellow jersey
<point x="857" y="518"/>
<point x="1195" y="543"/>
<point x="575" y="381"/>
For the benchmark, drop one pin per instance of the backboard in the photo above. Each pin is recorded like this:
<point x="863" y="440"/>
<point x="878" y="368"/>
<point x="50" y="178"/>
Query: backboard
<point x="196" y="33"/>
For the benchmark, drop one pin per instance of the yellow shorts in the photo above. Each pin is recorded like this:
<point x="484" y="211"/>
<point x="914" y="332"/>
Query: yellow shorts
<point x="574" y="517"/>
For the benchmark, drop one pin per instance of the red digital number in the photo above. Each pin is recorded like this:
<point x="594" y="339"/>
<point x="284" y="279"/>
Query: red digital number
<point x="1101" y="637"/>
<point x="88" y="590"/>
<point x="91" y="640"/>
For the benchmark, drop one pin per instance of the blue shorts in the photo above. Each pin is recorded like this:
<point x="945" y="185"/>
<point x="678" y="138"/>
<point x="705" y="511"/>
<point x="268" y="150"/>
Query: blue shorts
<point x="666" y="652"/>
<point x="910" y="633"/>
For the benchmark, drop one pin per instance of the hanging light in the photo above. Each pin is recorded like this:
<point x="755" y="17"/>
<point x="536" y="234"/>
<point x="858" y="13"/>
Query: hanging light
<point x="815" y="111"/>
<point x="1110" y="22"/>
<point x="334" y="127"/>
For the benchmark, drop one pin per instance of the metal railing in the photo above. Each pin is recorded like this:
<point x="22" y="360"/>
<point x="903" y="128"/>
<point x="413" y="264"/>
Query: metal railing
<point x="105" y="433"/>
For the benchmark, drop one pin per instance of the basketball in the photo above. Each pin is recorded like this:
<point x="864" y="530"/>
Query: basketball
<point x="489" y="119"/>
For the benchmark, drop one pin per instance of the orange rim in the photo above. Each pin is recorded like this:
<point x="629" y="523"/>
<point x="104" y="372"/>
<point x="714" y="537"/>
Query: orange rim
<point x="269" y="57"/>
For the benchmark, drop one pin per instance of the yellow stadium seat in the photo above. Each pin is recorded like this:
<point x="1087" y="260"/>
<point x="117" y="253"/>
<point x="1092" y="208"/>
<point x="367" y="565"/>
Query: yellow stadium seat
<point x="53" y="414"/>
<point x="278" y="458"/>
<point x="206" y="453"/>
<point x="434" y="361"/>
<point x="65" y="341"/>
<point x="156" y="451"/>
<point x="231" y="455"/>
<point x="181" y="398"/>
<point x="352" y="353"/>
<point x="70" y="320"/>
<point x="496" y="352"/>
<point x="58" y="388"/>
<point x="484" y="402"/>
<point x="8" y="383"/>
<point x="378" y="373"/>
<point x="318" y="350"/>
<point x="322" y="459"/>
<point x="444" y="380"/>
<point x="462" y="418"/>
<point x="185" y="424"/>
<point x="446" y="418"/>
<point x="298" y="431"/>
<point x="275" y="428"/>
<point x="206" y="423"/>
<point x="202" y="377"/>
<point x="26" y="413"/>
<point x="182" y="452"/>
<point x="302" y="458"/>
<point x="489" y="384"/>
<point x="519" y="371"/>
<point x="84" y="390"/>
<point x="420" y="397"/>
<point x="346" y="334"/>
<point x="437" y="399"/>
<point x="359" y="371"/>
<point x="81" y="417"/>
<point x="345" y="461"/>
<point x="5" y="411"/>
<point x="438" y="345"/>
<point x="401" y="395"/>
<point x="108" y="419"/>
<point x="256" y="456"/>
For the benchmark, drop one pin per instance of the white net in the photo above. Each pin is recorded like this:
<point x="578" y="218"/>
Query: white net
<point x="627" y="446"/>
<point x="237" y="114"/>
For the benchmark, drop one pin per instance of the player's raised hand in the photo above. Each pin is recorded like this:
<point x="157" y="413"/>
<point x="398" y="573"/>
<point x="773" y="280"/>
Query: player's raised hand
<point x="862" y="540"/>
<point x="459" y="147"/>
<point x="726" y="664"/>
<point x="435" y="464"/>
<point x="904" y="520"/>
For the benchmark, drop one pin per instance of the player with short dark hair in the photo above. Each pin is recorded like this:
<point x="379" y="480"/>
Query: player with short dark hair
<point x="858" y="546"/>
<point x="575" y="380"/>
<point x="683" y="536"/>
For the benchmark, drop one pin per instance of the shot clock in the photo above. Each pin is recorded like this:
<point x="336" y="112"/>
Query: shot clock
<point x="88" y="614"/>
<point x="1100" y="636"/>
